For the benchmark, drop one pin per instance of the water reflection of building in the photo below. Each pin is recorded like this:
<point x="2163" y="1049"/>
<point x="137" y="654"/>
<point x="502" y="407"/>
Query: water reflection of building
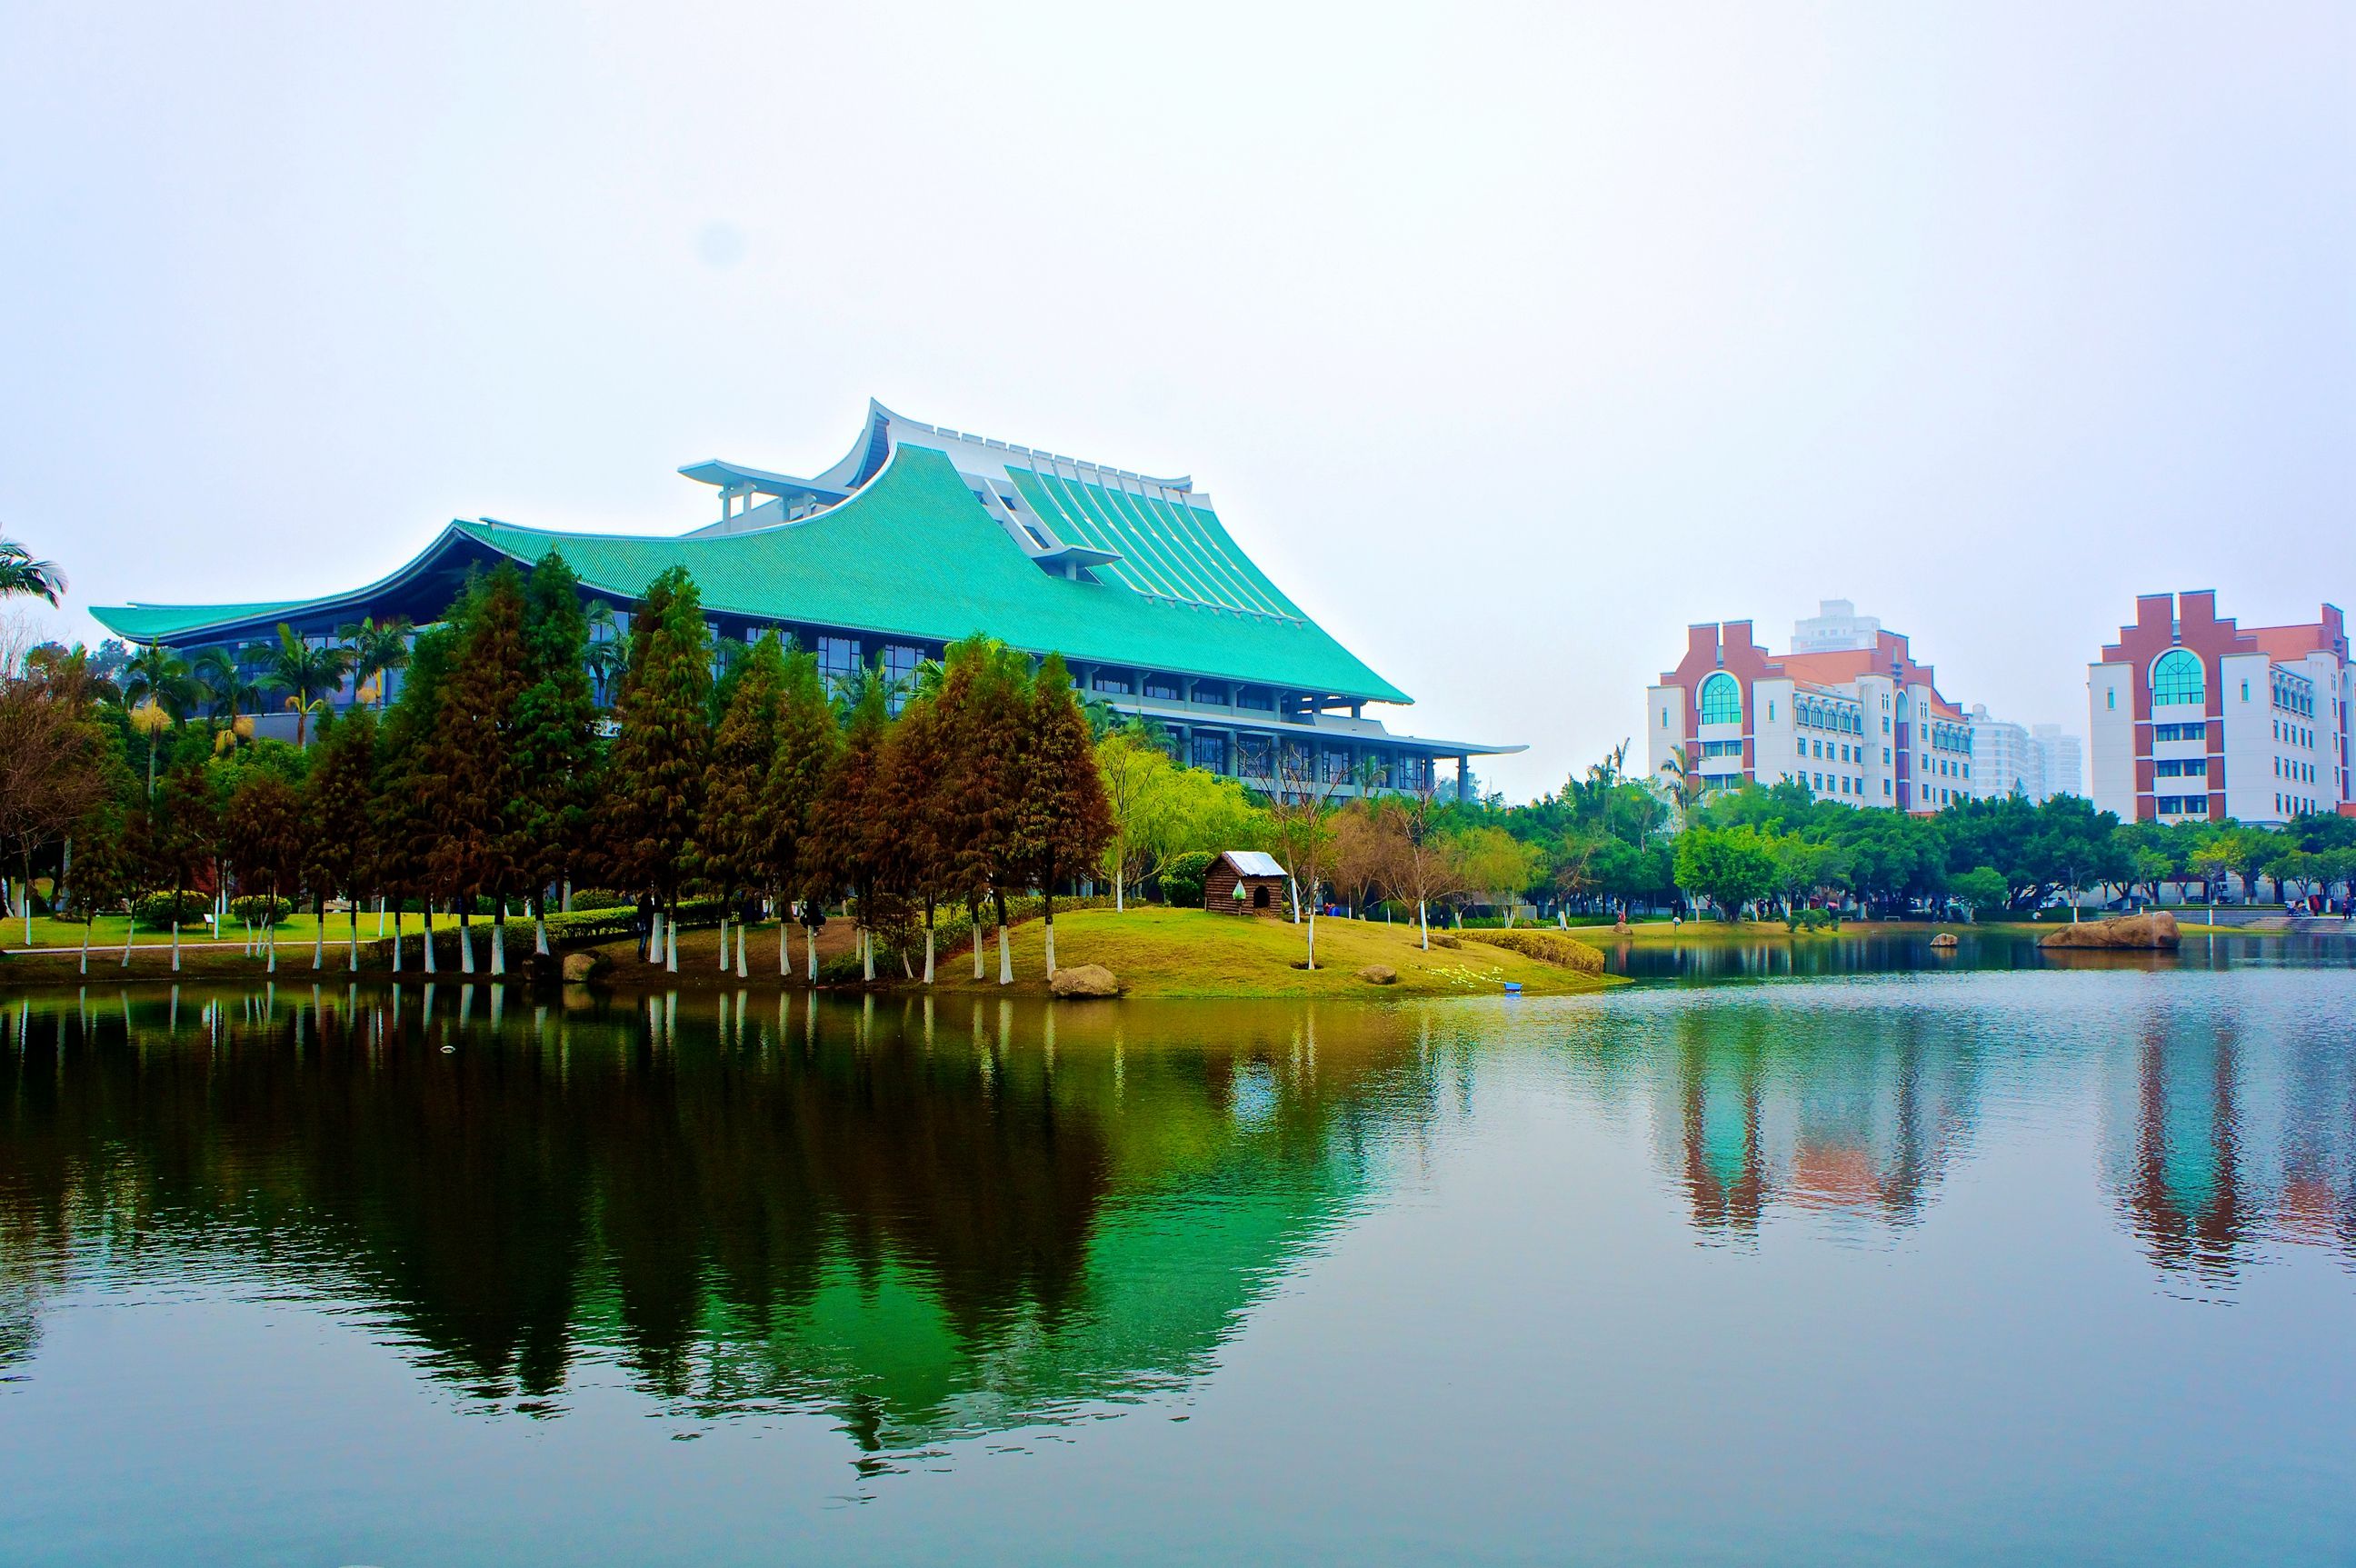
<point x="928" y="1227"/>
<point x="1857" y="1115"/>
<point x="2212" y="1147"/>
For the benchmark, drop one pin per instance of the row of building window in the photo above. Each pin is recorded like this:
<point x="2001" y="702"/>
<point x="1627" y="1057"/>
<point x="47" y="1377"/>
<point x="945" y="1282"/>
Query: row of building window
<point x="2295" y="771"/>
<point x="2184" y="805"/>
<point x="2181" y="732"/>
<point x="2292" y="806"/>
<point x="2292" y="695"/>
<point x="2182" y="768"/>
<point x="2296" y="734"/>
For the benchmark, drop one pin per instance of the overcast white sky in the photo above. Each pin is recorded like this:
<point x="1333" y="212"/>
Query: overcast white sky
<point x="1511" y="341"/>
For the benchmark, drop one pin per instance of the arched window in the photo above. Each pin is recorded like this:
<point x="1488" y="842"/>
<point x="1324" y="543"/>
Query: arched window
<point x="2176" y="678"/>
<point x="1721" y="700"/>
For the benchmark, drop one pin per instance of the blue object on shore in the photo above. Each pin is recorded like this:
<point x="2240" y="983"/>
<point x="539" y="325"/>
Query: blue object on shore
<point x="1513" y="988"/>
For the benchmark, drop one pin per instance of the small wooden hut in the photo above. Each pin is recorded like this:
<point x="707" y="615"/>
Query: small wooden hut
<point x="1247" y="881"/>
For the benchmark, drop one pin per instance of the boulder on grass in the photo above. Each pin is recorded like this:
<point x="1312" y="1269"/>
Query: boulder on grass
<point x="2156" y="930"/>
<point x="581" y="965"/>
<point x="1379" y="974"/>
<point x="1085" y="979"/>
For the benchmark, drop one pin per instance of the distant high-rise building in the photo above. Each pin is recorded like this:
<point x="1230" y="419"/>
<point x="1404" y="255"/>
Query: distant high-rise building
<point x="2061" y="758"/>
<point x="2004" y="758"/>
<point x="1834" y="628"/>
<point x="2038" y="761"/>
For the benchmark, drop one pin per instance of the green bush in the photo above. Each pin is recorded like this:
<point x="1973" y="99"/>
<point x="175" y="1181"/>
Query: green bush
<point x="1546" y="947"/>
<point x="585" y="899"/>
<point x="1181" y="879"/>
<point x="254" y="909"/>
<point x="159" y="909"/>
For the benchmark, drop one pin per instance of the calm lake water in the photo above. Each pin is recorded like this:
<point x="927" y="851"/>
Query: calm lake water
<point x="1960" y="1263"/>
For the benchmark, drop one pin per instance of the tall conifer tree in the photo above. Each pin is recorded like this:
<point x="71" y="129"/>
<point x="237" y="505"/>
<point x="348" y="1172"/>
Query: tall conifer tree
<point x="335" y="798"/>
<point x="477" y="785"/>
<point x="556" y="743"/>
<point x="808" y="737"/>
<point x="659" y="759"/>
<point x="405" y="822"/>
<point x="1061" y="821"/>
<point x="849" y="829"/>
<point x="734" y="842"/>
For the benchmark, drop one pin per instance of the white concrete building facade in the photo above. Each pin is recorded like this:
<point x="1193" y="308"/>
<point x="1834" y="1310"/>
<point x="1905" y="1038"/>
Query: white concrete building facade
<point x="1865" y="726"/>
<point x="2191" y="717"/>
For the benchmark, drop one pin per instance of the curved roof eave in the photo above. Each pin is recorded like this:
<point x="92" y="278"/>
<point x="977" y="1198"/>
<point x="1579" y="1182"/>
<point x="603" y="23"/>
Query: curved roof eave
<point x="269" y="614"/>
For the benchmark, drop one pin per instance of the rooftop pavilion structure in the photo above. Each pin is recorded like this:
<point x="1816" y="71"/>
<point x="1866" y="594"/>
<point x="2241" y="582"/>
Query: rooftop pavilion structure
<point x="921" y="535"/>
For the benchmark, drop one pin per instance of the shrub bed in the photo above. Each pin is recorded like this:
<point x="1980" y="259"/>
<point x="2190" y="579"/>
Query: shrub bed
<point x="1546" y="947"/>
<point x="160" y="909"/>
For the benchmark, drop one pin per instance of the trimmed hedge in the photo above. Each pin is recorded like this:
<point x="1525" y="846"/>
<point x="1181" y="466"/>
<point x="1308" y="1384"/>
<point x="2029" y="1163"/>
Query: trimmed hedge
<point x="159" y="909"/>
<point x="1546" y="947"/>
<point x="255" y="910"/>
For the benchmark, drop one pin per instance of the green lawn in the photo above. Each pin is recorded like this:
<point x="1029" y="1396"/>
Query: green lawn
<point x="109" y="931"/>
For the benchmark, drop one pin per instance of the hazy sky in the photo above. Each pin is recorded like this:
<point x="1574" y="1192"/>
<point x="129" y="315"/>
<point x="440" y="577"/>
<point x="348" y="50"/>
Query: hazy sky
<point x="1511" y="341"/>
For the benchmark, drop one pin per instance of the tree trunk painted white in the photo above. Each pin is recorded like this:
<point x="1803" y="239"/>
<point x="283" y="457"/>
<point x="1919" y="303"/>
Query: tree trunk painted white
<point x="176" y="941"/>
<point x="670" y="944"/>
<point x="380" y="914"/>
<point x="1313" y="936"/>
<point x="85" y="949"/>
<point x="1423" y="925"/>
<point x="499" y="942"/>
<point x="465" y="942"/>
<point x="1051" y="946"/>
<point x="867" y="953"/>
<point x="540" y="933"/>
<point x="354" y="949"/>
<point x="396" y="939"/>
<point x="654" y="937"/>
<point x="784" y="951"/>
<point x="928" y="955"/>
<point x="130" y="929"/>
<point x="567" y="905"/>
<point x="1005" y="960"/>
<point x="723" y="942"/>
<point x="741" y="972"/>
<point x="1292" y="891"/>
<point x="809" y="945"/>
<point x="429" y="937"/>
<point x="978" y="975"/>
<point x="1120" y="890"/>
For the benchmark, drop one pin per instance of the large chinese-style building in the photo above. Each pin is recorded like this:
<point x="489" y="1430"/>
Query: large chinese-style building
<point x="920" y="536"/>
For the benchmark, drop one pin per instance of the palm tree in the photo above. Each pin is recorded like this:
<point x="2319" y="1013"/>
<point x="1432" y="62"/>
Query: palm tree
<point x="377" y="651"/>
<point x="306" y="674"/>
<point x="20" y="574"/>
<point x="608" y="654"/>
<point x="1684" y="784"/>
<point x="226" y="685"/>
<point x="157" y="681"/>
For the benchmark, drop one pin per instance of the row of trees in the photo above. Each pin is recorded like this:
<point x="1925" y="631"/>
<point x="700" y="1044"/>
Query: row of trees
<point x="490" y="779"/>
<point x="1608" y="838"/>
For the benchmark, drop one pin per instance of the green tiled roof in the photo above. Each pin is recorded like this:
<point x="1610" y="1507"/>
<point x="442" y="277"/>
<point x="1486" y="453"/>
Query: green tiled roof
<point x="147" y="623"/>
<point x="912" y="554"/>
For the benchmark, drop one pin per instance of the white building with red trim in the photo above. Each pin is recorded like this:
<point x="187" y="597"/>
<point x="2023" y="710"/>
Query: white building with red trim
<point x="2191" y="717"/>
<point x="1864" y="726"/>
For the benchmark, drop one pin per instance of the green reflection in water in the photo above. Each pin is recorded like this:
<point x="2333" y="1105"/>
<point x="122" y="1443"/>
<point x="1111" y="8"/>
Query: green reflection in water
<point x="927" y="1221"/>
